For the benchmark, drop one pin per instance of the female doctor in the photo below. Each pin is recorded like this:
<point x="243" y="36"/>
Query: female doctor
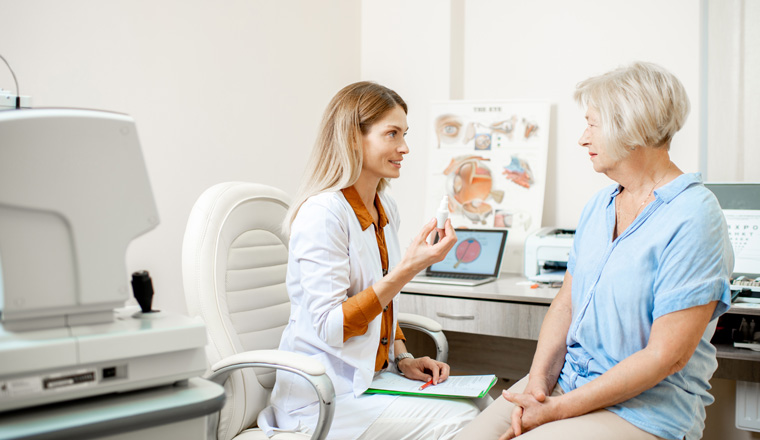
<point x="345" y="270"/>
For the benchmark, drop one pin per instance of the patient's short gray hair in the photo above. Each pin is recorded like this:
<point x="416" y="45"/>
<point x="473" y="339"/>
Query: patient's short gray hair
<point x="641" y="105"/>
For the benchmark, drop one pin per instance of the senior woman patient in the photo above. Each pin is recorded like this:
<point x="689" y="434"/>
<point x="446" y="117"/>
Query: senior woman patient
<point x="624" y="351"/>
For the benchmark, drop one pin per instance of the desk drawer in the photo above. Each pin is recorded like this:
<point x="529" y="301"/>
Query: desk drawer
<point x="494" y="318"/>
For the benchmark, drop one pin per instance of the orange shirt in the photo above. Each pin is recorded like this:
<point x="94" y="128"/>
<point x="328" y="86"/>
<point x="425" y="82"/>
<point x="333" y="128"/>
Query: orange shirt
<point x="360" y="309"/>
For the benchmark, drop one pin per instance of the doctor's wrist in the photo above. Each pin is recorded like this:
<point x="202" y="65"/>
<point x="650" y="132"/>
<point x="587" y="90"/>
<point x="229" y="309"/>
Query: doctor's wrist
<point x="403" y="360"/>
<point x="404" y="269"/>
<point x="402" y="356"/>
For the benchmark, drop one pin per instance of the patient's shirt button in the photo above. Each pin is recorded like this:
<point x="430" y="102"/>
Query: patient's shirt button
<point x="384" y="341"/>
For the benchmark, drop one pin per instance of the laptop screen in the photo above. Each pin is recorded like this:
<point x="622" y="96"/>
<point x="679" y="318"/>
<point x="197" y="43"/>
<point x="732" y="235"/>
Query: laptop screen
<point x="477" y="252"/>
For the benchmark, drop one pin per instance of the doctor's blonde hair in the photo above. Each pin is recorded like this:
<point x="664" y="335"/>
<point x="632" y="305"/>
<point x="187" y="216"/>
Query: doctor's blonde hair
<point x="641" y="105"/>
<point x="336" y="159"/>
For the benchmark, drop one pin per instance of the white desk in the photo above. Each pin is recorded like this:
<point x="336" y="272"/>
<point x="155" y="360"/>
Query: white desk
<point x="476" y="317"/>
<point x="507" y="307"/>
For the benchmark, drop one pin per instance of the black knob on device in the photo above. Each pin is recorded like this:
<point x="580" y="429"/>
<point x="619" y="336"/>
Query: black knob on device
<point x="142" y="286"/>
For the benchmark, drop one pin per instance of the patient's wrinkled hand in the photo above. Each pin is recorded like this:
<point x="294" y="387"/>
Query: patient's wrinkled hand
<point x="532" y="410"/>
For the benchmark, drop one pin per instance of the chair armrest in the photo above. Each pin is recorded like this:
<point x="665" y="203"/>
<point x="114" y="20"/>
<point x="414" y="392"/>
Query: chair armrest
<point x="275" y="358"/>
<point x="310" y="369"/>
<point x="431" y="328"/>
<point x="411" y="320"/>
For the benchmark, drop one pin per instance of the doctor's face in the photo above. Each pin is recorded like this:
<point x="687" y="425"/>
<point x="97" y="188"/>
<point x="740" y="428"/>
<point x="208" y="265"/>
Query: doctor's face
<point x="384" y="145"/>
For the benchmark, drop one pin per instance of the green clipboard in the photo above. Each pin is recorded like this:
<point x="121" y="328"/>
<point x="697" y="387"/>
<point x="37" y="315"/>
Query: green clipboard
<point x="454" y="386"/>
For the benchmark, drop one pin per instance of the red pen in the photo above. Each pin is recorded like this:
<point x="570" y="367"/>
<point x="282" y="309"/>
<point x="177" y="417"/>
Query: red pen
<point x="427" y="384"/>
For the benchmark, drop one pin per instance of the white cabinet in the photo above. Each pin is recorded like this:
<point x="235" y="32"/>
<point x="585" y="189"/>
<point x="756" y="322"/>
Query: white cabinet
<point x="487" y="317"/>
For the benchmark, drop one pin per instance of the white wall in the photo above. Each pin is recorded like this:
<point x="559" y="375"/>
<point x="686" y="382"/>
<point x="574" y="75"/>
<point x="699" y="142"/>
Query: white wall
<point x="515" y="49"/>
<point x="220" y="91"/>
<point x="733" y="90"/>
<point x="519" y="49"/>
<point x="406" y="46"/>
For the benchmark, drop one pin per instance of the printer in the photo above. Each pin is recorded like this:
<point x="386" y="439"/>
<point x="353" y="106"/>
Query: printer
<point x="74" y="192"/>
<point x="546" y="253"/>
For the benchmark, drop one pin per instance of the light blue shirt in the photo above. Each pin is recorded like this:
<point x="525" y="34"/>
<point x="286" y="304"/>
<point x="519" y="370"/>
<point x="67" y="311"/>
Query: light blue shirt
<point x="675" y="255"/>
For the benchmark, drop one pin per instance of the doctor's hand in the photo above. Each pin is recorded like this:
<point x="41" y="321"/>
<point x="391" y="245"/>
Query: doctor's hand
<point x="422" y="254"/>
<point x="441" y="232"/>
<point x="419" y="255"/>
<point x="424" y="369"/>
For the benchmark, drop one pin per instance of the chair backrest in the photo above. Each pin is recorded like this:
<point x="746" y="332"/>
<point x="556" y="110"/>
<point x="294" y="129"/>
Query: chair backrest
<point x="234" y="262"/>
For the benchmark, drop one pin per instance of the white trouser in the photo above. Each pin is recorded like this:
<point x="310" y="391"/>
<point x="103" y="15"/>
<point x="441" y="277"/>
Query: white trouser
<point x="423" y="418"/>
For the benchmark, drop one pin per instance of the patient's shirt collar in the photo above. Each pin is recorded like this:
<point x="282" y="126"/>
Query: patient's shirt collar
<point x="670" y="190"/>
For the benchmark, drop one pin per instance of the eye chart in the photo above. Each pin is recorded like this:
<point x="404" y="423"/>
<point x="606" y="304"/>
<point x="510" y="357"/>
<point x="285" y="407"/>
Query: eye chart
<point x="744" y="232"/>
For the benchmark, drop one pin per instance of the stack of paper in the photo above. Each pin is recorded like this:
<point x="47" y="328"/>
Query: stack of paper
<point x="453" y="386"/>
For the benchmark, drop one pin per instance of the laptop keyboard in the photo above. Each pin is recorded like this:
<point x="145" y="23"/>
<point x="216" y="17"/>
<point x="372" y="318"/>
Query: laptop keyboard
<point x="462" y="276"/>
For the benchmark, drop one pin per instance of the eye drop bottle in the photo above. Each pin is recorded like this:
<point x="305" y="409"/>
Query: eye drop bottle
<point x="442" y="213"/>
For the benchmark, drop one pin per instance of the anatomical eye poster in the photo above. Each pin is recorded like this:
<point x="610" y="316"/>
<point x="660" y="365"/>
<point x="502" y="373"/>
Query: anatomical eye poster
<point x="489" y="158"/>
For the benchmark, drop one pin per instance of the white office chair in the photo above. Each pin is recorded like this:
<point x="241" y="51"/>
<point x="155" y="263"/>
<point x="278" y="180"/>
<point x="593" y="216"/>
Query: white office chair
<point x="234" y="260"/>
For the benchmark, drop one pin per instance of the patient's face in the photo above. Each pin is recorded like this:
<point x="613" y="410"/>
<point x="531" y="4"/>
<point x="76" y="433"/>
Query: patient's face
<point x="593" y="140"/>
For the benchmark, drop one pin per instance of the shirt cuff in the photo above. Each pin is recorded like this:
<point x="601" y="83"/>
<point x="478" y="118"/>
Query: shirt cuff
<point x="358" y="311"/>
<point x="399" y="334"/>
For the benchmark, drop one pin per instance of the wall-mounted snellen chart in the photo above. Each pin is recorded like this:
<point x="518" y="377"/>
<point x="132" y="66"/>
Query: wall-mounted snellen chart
<point x="489" y="158"/>
<point x="744" y="233"/>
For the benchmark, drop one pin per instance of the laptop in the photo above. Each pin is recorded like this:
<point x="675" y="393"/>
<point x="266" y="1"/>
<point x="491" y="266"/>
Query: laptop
<point x="475" y="259"/>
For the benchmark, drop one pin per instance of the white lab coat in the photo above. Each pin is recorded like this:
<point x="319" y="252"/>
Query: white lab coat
<point x="331" y="259"/>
